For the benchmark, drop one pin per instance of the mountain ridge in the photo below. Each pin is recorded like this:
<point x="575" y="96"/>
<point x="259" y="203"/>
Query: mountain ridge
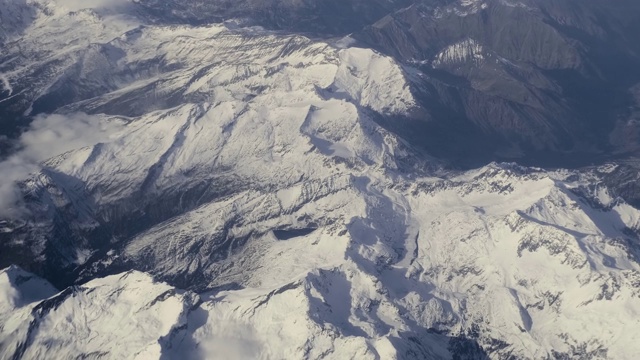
<point x="285" y="183"/>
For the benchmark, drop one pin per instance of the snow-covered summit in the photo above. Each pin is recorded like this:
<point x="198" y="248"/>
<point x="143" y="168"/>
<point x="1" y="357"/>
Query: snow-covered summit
<point x="118" y="317"/>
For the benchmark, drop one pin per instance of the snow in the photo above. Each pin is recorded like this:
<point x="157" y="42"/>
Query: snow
<point x="274" y="132"/>
<point x="460" y="53"/>
<point x="31" y="289"/>
<point x="462" y="8"/>
<point x="518" y="269"/>
<point x="345" y="42"/>
<point x="374" y="81"/>
<point x="122" y="316"/>
<point x="527" y="273"/>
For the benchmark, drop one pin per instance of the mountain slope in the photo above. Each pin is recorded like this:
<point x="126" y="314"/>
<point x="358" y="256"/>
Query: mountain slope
<point x="550" y="84"/>
<point x="544" y="82"/>
<point x="118" y="317"/>
<point x="444" y="267"/>
<point x="276" y="179"/>
<point x="547" y="84"/>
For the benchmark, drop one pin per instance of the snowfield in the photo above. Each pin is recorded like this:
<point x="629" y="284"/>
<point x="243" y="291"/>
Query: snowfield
<point x="249" y="205"/>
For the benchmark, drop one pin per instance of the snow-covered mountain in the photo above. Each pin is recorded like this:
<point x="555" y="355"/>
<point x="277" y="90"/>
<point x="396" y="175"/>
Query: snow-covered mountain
<point x="225" y="191"/>
<point x="503" y="262"/>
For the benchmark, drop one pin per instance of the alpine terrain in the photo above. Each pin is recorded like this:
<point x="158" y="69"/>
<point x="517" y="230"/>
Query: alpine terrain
<point x="319" y="179"/>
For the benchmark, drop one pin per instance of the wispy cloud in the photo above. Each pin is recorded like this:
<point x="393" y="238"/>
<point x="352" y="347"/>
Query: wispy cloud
<point x="48" y="136"/>
<point x="6" y="84"/>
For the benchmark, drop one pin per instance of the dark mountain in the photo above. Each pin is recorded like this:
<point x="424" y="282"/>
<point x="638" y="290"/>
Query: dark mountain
<point x="545" y="82"/>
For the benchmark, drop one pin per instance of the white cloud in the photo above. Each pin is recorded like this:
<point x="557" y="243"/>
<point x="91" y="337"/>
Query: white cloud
<point x="230" y="340"/>
<point x="47" y="137"/>
<point x="6" y="84"/>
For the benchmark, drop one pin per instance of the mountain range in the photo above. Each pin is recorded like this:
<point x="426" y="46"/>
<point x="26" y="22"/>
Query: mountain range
<point x="319" y="179"/>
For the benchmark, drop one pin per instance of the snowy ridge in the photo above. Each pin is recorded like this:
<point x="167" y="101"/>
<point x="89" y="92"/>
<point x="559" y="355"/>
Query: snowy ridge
<point x="460" y="53"/>
<point x="383" y="262"/>
<point x="129" y="310"/>
<point x="512" y="3"/>
<point x="433" y="259"/>
<point x="462" y="8"/>
<point x="248" y="170"/>
<point x="118" y="55"/>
